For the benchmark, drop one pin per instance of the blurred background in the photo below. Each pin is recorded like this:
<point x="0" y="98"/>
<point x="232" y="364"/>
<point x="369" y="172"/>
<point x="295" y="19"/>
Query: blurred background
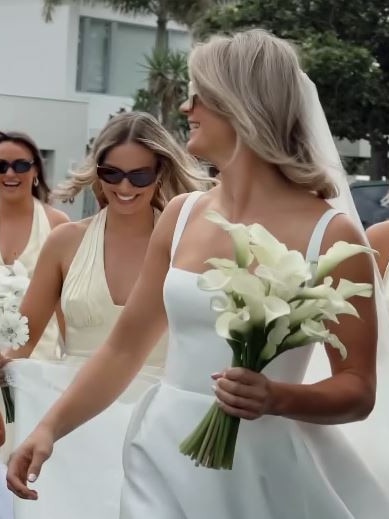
<point x="67" y="66"/>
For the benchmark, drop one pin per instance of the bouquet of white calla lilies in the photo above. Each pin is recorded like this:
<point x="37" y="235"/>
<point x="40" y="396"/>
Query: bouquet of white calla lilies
<point x="14" y="331"/>
<point x="283" y="302"/>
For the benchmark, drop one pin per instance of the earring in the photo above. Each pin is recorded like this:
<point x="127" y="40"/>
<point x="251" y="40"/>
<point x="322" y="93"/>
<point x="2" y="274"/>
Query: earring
<point x="36" y="181"/>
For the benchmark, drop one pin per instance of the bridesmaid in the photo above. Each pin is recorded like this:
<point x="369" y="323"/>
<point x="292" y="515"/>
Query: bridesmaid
<point x="135" y="168"/>
<point x="26" y="218"/>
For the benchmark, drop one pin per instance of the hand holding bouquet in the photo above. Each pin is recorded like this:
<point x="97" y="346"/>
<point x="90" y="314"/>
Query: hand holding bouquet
<point x="269" y="300"/>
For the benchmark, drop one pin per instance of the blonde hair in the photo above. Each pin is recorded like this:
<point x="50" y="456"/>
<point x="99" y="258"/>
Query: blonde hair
<point x="254" y="80"/>
<point x="178" y="172"/>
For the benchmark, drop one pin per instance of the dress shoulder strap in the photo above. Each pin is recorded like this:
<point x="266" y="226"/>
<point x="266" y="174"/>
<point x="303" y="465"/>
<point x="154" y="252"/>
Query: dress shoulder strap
<point x="41" y="220"/>
<point x="314" y="246"/>
<point x="183" y="216"/>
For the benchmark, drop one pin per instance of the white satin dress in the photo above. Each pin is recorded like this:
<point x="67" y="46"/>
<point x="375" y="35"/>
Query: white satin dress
<point x="283" y="469"/>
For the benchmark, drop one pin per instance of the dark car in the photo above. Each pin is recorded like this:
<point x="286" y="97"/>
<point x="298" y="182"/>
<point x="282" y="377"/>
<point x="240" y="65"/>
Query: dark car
<point x="368" y="198"/>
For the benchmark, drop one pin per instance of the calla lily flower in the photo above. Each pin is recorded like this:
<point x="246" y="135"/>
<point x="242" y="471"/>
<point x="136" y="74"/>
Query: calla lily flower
<point x="228" y="322"/>
<point x="240" y="237"/>
<point x="339" y="252"/>
<point x="275" y="337"/>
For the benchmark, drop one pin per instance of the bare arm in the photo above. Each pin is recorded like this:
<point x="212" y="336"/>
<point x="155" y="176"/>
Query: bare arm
<point x="347" y="395"/>
<point x="378" y="236"/>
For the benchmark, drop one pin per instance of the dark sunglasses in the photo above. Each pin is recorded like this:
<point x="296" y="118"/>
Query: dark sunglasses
<point x="18" y="166"/>
<point x="137" y="177"/>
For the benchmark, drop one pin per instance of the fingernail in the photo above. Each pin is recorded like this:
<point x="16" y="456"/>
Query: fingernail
<point x="32" y="478"/>
<point x="213" y="387"/>
<point x="215" y="375"/>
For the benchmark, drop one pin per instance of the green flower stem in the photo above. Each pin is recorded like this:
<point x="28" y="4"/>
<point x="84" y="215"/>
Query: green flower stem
<point x="212" y="444"/>
<point x="8" y="404"/>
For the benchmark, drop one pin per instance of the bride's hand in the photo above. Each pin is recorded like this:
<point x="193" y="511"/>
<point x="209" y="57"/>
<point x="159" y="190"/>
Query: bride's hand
<point x="243" y="393"/>
<point x="26" y="462"/>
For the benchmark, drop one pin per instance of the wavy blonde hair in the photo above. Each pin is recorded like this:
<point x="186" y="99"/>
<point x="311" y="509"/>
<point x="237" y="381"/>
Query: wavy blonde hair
<point x="178" y="172"/>
<point x="254" y="80"/>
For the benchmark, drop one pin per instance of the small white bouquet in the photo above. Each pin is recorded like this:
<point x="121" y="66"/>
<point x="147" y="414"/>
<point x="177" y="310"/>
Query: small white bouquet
<point x="269" y="300"/>
<point x="14" y="331"/>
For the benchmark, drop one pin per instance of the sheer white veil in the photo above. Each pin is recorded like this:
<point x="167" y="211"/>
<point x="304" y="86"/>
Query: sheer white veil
<point x="370" y="438"/>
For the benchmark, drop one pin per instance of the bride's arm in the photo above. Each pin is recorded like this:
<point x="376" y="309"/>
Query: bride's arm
<point x="105" y="376"/>
<point x="378" y="236"/>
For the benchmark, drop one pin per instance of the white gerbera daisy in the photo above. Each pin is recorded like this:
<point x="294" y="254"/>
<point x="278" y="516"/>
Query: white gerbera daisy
<point x="13" y="329"/>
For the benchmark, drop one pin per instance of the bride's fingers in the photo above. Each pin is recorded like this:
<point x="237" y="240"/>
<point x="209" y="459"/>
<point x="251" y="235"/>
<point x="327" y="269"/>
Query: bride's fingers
<point x="237" y="411"/>
<point x="17" y="478"/>
<point x="217" y="375"/>
<point x="239" y="404"/>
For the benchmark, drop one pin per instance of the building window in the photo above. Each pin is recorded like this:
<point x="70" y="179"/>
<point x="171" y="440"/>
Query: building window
<point x="111" y="55"/>
<point x="93" y="55"/>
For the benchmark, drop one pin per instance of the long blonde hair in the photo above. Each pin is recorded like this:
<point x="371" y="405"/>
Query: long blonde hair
<point x="254" y="80"/>
<point x="178" y="172"/>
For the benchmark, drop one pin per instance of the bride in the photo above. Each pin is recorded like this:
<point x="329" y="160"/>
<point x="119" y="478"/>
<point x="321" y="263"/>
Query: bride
<point x="135" y="167"/>
<point x="249" y="116"/>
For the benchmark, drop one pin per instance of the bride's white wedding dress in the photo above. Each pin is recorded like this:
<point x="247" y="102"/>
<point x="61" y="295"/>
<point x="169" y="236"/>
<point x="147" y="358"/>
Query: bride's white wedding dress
<point x="283" y="469"/>
<point x="83" y="478"/>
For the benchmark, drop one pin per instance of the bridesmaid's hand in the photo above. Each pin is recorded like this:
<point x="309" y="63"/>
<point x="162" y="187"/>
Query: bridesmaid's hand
<point x="243" y="393"/>
<point x="3" y="362"/>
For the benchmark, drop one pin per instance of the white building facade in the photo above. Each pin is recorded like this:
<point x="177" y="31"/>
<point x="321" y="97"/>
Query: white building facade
<point x="59" y="81"/>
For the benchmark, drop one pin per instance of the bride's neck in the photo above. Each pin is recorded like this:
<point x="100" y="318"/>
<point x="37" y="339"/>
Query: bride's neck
<point x="248" y="183"/>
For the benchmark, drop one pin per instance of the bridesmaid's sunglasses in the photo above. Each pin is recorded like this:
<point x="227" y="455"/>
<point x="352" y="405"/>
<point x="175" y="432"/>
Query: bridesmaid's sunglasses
<point x="18" y="166"/>
<point x="137" y="177"/>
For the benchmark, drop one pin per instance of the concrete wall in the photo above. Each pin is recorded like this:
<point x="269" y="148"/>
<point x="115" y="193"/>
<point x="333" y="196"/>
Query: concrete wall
<point x="57" y="126"/>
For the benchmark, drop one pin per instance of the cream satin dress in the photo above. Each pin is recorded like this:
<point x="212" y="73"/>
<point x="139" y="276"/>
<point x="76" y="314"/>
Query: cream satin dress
<point x="83" y="478"/>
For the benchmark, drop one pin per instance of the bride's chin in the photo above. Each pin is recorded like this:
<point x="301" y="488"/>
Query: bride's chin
<point x="197" y="151"/>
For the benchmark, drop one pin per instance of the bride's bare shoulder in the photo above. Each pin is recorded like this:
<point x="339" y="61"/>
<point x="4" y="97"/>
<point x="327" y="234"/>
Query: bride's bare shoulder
<point x="378" y="236"/>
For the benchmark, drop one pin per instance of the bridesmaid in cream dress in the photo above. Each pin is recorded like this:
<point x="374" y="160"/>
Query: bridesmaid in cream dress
<point x="26" y="220"/>
<point x="135" y="167"/>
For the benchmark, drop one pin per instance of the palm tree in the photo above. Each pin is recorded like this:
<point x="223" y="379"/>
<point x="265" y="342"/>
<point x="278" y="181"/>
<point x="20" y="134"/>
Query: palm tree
<point x="167" y="74"/>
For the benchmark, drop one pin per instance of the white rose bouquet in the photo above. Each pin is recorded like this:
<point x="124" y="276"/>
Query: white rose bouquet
<point x="269" y="300"/>
<point x="14" y="332"/>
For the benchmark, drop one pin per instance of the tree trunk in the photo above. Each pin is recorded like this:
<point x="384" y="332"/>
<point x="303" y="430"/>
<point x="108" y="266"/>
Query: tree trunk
<point x="379" y="161"/>
<point x="162" y="35"/>
<point x="161" y="45"/>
